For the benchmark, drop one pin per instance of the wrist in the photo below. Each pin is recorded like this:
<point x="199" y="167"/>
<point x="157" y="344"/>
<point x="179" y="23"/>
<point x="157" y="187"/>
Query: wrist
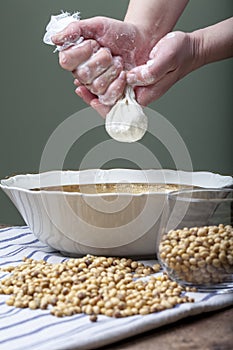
<point x="146" y="29"/>
<point x="213" y="43"/>
<point x="155" y="18"/>
<point x="197" y="48"/>
<point x="150" y="23"/>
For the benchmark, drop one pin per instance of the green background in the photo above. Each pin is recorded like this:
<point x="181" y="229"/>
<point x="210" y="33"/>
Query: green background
<point x="37" y="95"/>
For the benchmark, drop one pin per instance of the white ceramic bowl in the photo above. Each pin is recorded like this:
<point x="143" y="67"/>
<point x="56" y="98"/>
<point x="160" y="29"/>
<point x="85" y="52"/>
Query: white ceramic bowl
<point x="110" y="224"/>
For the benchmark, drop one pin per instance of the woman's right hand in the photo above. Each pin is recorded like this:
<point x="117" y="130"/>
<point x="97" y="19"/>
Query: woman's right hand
<point x="110" y="48"/>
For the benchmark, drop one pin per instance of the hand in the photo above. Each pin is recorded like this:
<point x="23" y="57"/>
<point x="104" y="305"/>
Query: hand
<point x="173" y="57"/>
<point x="97" y="72"/>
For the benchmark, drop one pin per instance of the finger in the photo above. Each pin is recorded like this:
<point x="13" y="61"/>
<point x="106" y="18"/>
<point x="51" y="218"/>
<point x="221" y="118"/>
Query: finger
<point x="76" y="55"/>
<point x="146" y="95"/>
<point x="101" y="83"/>
<point x="92" y="100"/>
<point x="163" y="62"/>
<point x="94" y="66"/>
<point x="85" y="94"/>
<point x="142" y="75"/>
<point x="77" y="82"/>
<point x="100" y="108"/>
<point x="114" y="91"/>
<point x="91" y="28"/>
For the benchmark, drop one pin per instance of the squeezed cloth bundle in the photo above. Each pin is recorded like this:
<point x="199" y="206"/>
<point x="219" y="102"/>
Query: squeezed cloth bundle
<point x="58" y="23"/>
<point x="126" y="121"/>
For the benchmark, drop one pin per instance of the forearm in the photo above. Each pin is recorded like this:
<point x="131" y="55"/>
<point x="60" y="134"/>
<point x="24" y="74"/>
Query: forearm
<point x="213" y="43"/>
<point x="155" y="17"/>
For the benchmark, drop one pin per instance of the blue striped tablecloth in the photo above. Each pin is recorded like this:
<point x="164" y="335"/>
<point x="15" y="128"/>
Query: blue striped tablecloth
<point x="22" y="329"/>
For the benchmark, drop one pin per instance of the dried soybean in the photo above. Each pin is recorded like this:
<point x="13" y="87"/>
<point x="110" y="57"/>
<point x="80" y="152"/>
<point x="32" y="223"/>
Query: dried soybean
<point x="92" y="285"/>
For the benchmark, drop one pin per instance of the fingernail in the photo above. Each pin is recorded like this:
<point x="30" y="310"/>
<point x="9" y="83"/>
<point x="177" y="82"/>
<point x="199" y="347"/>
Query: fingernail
<point x="122" y="75"/>
<point x="58" y="38"/>
<point x="63" y="58"/>
<point x="131" y="78"/>
<point x="153" y="51"/>
<point x="150" y="62"/>
<point x="76" y="82"/>
<point x="94" y="103"/>
<point x="170" y="35"/>
<point x="79" y="92"/>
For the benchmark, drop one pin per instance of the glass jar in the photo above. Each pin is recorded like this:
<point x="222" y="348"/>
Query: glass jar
<point x="195" y="246"/>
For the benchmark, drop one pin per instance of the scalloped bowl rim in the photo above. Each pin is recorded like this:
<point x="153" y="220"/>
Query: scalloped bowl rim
<point x="166" y="176"/>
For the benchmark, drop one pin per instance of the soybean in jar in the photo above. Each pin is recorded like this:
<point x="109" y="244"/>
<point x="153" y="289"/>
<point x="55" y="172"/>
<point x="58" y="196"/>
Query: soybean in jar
<point x="195" y="246"/>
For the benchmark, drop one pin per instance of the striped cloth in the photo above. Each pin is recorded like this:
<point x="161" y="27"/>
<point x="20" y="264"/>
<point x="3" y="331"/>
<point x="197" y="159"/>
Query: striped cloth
<point x="22" y="329"/>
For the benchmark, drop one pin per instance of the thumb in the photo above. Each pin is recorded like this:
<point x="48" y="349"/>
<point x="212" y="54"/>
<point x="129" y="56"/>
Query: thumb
<point x="91" y="28"/>
<point x="162" y="61"/>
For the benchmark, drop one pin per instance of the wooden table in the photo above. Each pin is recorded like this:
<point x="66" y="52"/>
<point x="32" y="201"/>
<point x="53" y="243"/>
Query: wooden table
<point x="209" y="331"/>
